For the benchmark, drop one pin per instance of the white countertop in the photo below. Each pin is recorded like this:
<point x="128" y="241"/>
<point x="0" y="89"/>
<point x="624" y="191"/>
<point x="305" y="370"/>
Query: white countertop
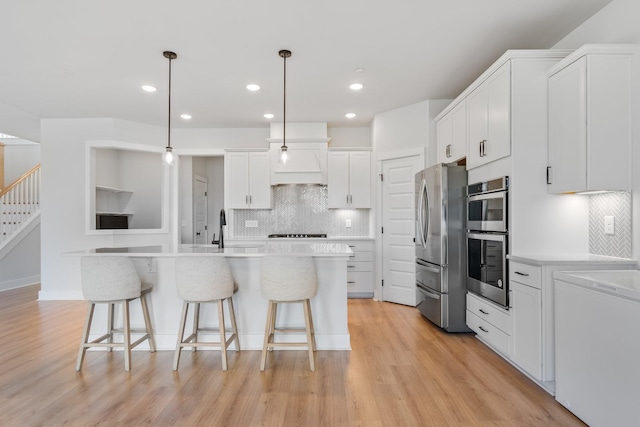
<point x="559" y="259"/>
<point x="625" y="283"/>
<point x="315" y="249"/>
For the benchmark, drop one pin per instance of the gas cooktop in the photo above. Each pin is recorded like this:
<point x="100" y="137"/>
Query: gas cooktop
<point x="298" y="236"/>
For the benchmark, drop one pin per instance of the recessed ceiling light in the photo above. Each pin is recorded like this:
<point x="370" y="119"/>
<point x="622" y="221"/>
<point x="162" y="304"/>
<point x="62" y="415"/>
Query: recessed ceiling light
<point x="268" y="116"/>
<point x="356" y="86"/>
<point x="149" y="88"/>
<point x="186" y="116"/>
<point x="253" y="87"/>
<point x="359" y="70"/>
<point x="350" y="115"/>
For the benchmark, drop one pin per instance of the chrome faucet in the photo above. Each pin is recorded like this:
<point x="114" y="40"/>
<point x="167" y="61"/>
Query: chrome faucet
<point x="223" y="222"/>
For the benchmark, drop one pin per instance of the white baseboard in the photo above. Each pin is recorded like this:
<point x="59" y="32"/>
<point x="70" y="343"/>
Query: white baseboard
<point x="19" y="283"/>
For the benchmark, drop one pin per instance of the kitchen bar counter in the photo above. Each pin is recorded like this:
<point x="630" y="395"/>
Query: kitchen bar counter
<point x="156" y="264"/>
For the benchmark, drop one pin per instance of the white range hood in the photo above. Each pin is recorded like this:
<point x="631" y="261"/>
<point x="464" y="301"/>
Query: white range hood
<point x="307" y="149"/>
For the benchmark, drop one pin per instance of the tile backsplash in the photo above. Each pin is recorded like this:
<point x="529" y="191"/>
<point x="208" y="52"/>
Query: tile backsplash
<point x="618" y="205"/>
<point x="301" y="209"/>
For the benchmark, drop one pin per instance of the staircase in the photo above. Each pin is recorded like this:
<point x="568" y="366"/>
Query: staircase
<point x="19" y="205"/>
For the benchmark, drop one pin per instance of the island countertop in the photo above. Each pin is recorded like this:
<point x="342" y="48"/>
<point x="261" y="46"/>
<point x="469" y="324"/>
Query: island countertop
<point x="315" y="249"/>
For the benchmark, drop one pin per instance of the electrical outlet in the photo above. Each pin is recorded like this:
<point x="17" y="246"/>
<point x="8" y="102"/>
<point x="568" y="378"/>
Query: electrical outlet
<point x="348" y="223"/>
<point x="251" y="224"/>
<point x="609" y="224"/>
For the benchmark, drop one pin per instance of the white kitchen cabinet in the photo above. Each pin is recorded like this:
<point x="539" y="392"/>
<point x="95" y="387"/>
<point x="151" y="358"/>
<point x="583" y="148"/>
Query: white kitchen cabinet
<point x="349" y="179"/>
<point x="526" y="327"/>
<point x="247" y="180"/>
<point x="491" y="323"/>
<point x="489" y="118"/>
<point x="590" y="120"/>
<point x="360" y="281"/>
<point x="531" y="301"/>
<point x="451" y="134"/>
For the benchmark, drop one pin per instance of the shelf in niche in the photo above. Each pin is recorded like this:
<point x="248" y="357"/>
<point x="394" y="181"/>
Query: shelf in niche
<point x="115" y="213"/>
<point x="112" y="189"/>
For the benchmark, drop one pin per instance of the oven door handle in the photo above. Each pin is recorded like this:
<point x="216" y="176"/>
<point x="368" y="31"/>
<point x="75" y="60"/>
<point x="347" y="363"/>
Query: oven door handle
<point x="431" y="294"/>
<point x="428" y="267"/>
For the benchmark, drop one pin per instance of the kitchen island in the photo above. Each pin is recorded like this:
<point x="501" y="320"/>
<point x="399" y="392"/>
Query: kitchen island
<point x="156" y="264"/>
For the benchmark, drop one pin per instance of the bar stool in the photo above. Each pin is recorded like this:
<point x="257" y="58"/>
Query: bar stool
<point x="113" y="280"/>
<point x="205" y="279"/>
<point x="288" y="279"/>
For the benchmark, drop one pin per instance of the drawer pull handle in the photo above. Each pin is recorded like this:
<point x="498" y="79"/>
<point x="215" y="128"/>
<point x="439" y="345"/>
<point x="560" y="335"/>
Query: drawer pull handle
<point x="522" y="274"/>
<point x="483" y="329"/>
<point x="351" y="266"/>
<point x="350" y="283"/>
<point x="483" y="312"/>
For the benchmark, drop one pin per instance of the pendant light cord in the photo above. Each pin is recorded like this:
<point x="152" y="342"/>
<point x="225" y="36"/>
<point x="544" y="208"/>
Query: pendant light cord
<point x="284" y="103"/>
<point x="169" y="116"/>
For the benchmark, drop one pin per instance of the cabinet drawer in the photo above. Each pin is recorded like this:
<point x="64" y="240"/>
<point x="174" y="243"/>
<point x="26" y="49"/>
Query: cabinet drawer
<point x="489" y="333"/>
<point x="361" y="256"/>
<point x="526" y="274"/>
<point x="489" y="313"/>
<point x="359" y="266"/>
<point x="359" y="281"/>
<point x="360" y="245"/>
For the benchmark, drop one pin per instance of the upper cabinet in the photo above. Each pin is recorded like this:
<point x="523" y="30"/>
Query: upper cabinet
<point x="349" y="179"/>
<point x="451" y="134"/>
<point x="247" y="176"/>
<point x="489" y="118"/>
<point x="590" y="120"/>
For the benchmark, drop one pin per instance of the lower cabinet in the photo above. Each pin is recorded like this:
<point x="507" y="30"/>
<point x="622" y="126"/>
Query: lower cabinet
<point x="526" y="328"/>
<point x="490" y="323"/>
<point x="360" y="282"/>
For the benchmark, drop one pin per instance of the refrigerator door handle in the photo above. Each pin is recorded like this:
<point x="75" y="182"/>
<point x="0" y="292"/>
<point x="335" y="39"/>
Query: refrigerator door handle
<point x="427" y="266"/>
<point x="421" y="205"/>
<point x="431" y="294"/>
<point x="425" y="206"/>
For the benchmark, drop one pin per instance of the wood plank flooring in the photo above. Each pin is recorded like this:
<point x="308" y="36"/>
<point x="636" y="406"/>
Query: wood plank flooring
<point x="402" y="371"/>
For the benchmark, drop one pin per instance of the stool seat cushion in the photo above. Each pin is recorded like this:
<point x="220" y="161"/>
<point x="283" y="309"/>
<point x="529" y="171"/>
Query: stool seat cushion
<point x="204" y="278"/>
<point x="288" y="278"/>
<point x="109" y="279"/>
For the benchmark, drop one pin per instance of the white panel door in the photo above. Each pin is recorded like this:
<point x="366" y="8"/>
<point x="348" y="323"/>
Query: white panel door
<point x="200" y="210"/>
<point x="398" y="216"/>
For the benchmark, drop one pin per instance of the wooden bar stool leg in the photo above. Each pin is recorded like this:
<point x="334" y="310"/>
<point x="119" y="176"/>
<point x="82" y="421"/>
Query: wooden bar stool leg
<point x="183" y="323"/>
<point x="85" y="335"/>
<point x="267" y="332"/>
<point x="307" y="322"/>
<point x="313" y="331"/>
<point x="126" y="331"/>
<point x="223" y="338"/>
<point x="272" y="326"/>
<point x="234" y="327"/>
<point x="196" y="324"/>
<point x="147" y="323"/>
<point x="110" y="325"/>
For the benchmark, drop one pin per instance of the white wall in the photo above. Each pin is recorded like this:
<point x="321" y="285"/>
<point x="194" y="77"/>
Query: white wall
<point x="407" y="128"/>
<point x="19" y="157"/>
<point x="21" y="265"/>
<point x="349" y="137"/>
<point x="63" y="151"/>
<point x="618" y="22"/>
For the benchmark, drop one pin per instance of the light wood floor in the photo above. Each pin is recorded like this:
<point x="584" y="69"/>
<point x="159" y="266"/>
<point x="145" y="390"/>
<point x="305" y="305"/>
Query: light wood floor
<point x="402" y="371"/>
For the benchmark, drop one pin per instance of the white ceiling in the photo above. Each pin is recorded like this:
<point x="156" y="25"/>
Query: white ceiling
<point x="88" y="58"/>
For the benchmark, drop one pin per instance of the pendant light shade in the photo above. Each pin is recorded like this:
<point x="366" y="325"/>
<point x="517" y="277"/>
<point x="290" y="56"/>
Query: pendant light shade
<point x="284" y="54"/>
<point x="168" y="156"/>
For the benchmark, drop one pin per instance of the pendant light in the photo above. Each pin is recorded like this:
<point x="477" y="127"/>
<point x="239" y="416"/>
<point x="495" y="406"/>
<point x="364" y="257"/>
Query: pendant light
<point x="168" y="153"/>
<point x="284" y="54"/>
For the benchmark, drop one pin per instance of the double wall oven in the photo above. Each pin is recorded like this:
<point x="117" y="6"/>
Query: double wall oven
<point x="488" y="239"/>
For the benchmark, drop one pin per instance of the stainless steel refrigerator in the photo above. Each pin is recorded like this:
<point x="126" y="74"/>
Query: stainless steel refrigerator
<point x="441" y="246"/>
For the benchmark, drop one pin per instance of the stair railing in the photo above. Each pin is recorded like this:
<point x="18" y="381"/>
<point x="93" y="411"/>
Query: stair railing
<point x="19" y="202"/>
